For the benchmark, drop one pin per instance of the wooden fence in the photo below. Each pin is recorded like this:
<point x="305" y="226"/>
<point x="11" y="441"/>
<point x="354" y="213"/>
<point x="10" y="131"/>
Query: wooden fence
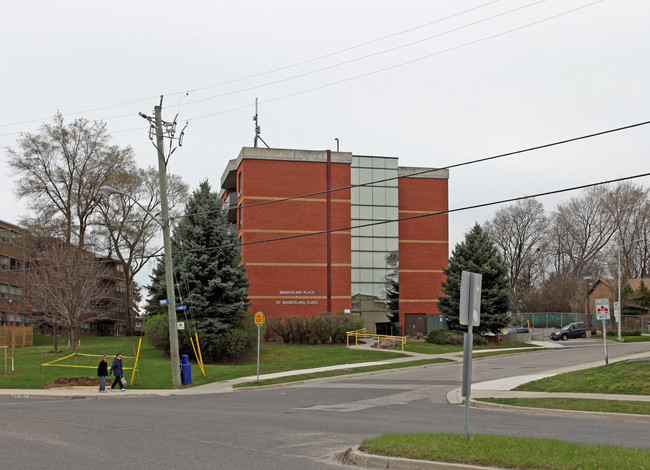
<point x="22" y="336"/>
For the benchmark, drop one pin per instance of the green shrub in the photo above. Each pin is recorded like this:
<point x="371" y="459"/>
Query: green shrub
<point x="320" y="328"/>
<point x="273" y="328"/>
<point x="480" y="340"/>
<point x="444" y="337"/>
<point x="630" y="332"/>
<point x="156" y="329"/>
<point x="344" y="322"/>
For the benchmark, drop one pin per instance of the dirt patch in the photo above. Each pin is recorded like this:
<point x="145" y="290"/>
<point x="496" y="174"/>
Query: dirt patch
<point x="11" y="372"/>
<point x="345" y="457"/>
<point x="67" y="382"/>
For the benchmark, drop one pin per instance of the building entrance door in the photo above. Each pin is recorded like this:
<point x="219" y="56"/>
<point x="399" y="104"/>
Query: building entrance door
<point x="415" y="323"/>
<point x="106" y="328"/>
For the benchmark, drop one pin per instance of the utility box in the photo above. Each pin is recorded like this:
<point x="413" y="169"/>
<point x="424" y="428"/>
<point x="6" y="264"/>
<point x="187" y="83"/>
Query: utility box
<point x="436" y="321"/>
<point x="186" y="370"/>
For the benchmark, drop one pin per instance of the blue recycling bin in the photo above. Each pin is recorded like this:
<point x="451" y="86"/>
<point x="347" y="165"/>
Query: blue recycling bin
<point x="186" y="370"/>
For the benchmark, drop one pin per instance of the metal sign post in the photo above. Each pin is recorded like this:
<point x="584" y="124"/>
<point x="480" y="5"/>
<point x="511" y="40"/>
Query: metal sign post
<point x="259" y="321"/>
<point x="602" y="313"/>
<point x="470" y="315"/>
<point x="617" y="317"/>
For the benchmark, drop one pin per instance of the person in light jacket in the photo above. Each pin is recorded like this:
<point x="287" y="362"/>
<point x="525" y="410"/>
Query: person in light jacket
<point x="102" y="372"/>
<point x="118" y="372"/>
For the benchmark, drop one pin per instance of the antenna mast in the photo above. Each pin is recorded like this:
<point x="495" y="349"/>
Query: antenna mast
<point x="258" y="129"/>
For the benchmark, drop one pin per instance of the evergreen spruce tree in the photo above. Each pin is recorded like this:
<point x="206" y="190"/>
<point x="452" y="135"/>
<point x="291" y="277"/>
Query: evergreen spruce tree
<point x="478" y="254"/>
<point x="207" y="272"/>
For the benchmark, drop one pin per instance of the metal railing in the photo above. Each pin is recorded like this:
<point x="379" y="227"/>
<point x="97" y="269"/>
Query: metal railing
<point x="363" y="334"/>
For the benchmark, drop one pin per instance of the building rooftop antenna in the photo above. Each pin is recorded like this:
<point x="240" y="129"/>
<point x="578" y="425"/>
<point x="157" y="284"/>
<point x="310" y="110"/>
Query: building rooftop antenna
<point x="258" y="129"/>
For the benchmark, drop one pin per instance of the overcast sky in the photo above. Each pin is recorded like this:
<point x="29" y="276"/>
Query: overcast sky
<point x="433" y="83"/>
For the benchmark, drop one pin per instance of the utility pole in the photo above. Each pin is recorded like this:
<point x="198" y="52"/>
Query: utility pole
<point x="169" y="273"/>
<point x="156" y="126"/>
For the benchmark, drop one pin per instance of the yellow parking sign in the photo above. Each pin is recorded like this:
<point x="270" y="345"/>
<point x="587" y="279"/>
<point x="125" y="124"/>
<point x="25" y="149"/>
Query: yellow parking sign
<point x="259" y="318"/>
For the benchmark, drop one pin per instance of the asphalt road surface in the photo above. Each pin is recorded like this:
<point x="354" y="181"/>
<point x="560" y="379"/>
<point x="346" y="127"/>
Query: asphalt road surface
<point x="289" y="427"/>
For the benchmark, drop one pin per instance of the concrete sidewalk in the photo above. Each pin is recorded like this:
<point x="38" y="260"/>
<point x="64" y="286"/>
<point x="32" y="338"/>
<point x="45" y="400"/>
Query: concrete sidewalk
<point x="503" y="388"/>
<point x="215" y="387"/>
<point x="499" y="388"/>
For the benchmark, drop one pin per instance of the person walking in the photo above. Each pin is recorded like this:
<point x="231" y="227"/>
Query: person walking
<point x="102" y="372"/>
<point x="118" y="372"/>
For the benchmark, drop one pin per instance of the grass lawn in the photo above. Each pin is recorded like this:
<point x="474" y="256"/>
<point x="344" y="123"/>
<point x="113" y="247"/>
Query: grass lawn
<point x="629" y="378"/>
<point x="154" y="370"/>
<point x="506" y="452"/>
<point x="628" y="339"/>
<point x="579" y="404"/>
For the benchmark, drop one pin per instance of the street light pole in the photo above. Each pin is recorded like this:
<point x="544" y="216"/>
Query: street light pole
<point x="169" y="274"/>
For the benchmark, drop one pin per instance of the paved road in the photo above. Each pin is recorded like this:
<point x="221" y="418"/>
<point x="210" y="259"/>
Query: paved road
<point x="288" y="427"/>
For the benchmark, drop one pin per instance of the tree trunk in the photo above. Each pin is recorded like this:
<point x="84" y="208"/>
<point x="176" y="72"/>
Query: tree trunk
<point x="127" y="296"/>
<point x="73" y="342"/>
<point x="56" y="338"/>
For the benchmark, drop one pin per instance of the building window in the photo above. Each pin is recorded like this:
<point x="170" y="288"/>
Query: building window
<point x="15" y="292"/>
<point x="121" y="289"/>
<point x="15" y="264"/>
<point x="4" y="235"/>
<point x="4" y="263"/>
<point x="4" y="291"/>
<point x="15" y="236"/>
<point x="375" y="240"/>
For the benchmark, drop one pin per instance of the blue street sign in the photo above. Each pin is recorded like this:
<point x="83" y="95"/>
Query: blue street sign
<point x="181" y="307"/>
<point x="164" y="301"/>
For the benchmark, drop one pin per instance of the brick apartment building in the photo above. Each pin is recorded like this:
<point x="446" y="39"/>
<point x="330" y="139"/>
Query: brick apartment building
<point x="14" y="291"/>
<point x="12" y="262"/>
<point x="344" y="230"/>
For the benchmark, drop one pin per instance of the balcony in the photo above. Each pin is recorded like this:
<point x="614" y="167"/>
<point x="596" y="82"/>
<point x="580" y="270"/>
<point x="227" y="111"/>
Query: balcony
<point x="230" y="205"/>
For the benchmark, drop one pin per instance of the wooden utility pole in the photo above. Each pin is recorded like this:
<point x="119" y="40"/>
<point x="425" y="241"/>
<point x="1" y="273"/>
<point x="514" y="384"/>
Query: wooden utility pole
<point x="169" y="274"/>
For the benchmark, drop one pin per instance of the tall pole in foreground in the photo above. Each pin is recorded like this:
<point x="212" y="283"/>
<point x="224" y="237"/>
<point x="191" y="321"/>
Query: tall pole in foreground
<point x="169" y="275"/>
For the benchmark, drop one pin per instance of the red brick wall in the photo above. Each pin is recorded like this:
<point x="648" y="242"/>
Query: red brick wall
<point x="289" y="277"/>
<point x="423" y="244"/>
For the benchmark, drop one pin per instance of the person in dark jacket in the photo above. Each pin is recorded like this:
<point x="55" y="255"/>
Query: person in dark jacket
<point x="102" y="372"/>
<point x="117" y="371"/>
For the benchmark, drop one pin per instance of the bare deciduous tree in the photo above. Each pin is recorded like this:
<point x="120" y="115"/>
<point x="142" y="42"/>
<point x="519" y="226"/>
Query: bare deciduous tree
<point x="60" y="170"/>
<point x="67" y="285"/>
<point x="133" y="227"/>
<point x="519" y="232"/>
<point x="581" y="228"/>
<point x="632" y="204"/>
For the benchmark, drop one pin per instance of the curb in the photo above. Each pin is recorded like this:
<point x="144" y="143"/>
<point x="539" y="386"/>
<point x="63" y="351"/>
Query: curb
<point x="556" y="412"/>
<point x="399" y="463"/>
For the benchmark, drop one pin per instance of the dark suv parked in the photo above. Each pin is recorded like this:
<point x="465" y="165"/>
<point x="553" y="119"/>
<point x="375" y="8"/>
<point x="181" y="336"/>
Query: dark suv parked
<point x="572" y="330"/>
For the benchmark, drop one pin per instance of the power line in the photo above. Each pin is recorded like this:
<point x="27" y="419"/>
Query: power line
<point x="430" y="214"/>
<point x="343" y="63"/>
<point x="341" y="229"/>
<point x="255" y="75"/>
<point x="430" y="170"/>
<point x="402" y="64"/>
<point x="356" y="59"/>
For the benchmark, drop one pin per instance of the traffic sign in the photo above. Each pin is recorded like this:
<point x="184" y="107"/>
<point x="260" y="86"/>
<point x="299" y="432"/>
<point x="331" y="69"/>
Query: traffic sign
<point x="602" y="309"/>
<point x="180" y="325"/>
<point x="259" y="318"/>
<point x="164" y="301"/>
<point x="470" y="298"/>
<point x="181" y="307"/>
